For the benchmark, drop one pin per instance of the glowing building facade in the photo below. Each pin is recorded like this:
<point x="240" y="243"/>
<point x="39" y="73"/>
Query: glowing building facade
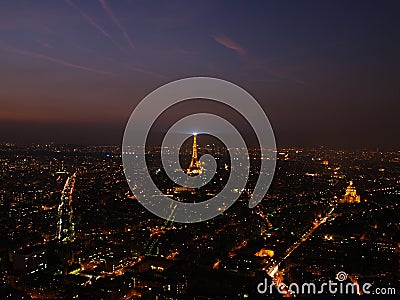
<point x="351" y="195"/>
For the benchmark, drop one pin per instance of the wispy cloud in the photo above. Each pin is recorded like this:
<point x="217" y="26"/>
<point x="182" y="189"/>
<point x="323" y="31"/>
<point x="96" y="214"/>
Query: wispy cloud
<point x="94" y="24"/>
<point x="52" y="59"/>
<point x="230" y="44"/>
<point x="44" y="44"/>
<point x="136" y="69"/>
<point x="117" y="22"/>
<point x="254" y="63"/>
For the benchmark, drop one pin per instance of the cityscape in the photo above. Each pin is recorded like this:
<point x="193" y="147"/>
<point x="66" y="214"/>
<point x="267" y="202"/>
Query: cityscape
<point x="73" y="229"/>
<point x="199" y="149"/>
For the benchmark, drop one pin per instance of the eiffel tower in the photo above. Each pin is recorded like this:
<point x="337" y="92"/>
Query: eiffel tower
<point x="194" y="168"/>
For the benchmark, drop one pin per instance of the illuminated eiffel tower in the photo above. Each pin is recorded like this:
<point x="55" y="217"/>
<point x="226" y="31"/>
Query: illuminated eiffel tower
<point x="194" y="168"/>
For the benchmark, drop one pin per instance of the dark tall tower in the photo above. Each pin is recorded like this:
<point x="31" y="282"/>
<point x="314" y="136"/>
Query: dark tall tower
<point x="194" y="168"/>
<point x="65" y="225"/>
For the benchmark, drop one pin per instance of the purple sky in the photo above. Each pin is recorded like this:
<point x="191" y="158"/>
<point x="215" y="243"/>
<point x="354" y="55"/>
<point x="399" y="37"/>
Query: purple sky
<point x="326" y="72"/>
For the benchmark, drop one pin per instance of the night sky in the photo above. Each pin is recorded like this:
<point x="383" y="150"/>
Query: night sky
<point x="325" y="72"/>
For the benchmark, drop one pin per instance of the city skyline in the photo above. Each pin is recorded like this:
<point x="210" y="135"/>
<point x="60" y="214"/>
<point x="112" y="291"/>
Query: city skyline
<point x="73" y="228"/>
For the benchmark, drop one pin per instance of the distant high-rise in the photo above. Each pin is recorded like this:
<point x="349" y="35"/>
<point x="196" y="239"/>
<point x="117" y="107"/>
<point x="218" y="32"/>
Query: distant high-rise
<point x="194" y="168"/>
<point x="65" y="225"/>
<point x="351" y="195"/>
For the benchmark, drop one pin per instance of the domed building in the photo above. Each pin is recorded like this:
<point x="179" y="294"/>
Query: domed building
<point x="351" y="195"/>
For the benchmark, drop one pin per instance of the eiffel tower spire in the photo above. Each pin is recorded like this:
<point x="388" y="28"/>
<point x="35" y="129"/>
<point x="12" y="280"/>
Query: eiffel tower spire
<point x="194" y="168"/>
